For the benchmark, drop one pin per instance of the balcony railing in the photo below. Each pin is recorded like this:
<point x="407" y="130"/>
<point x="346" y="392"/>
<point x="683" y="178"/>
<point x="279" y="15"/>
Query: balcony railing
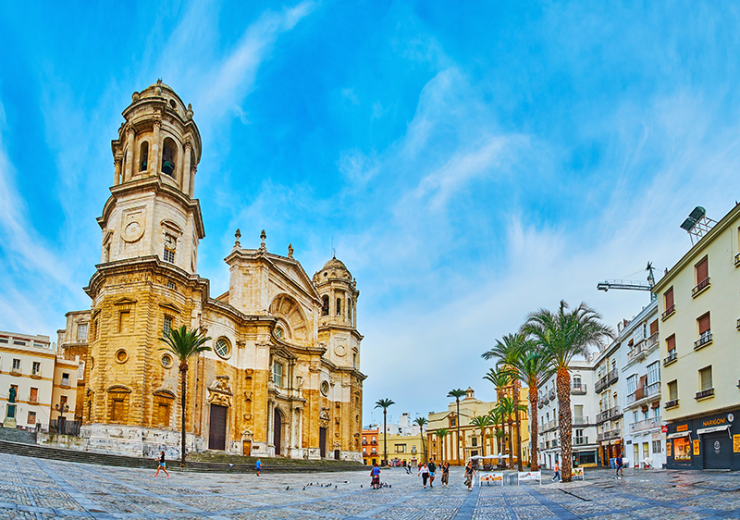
<point x="606" y="415"/>
<point x="610" y="434"/>
<point x="33" y="399"/>
<point x="645" y="424"/>
<point x="737" y="260"/>
<point x="15" y="371"/>
<point x="637" y="351"/>
<point x="609" y="379"/>
<point x="549" y="425"/>
<point x="540" y="404"/>
<point x="668" y="312"/>
<point x="551" y="394"/>
<point x="651" y="341"/>
<point x="579" y="421"/>
<point x="578" y="389"/>
<point x="672" y="357"/>
<point x="580" y="441"/>
<point x="709" y="392"/>
<point x="704" y="284"/>
<point x="673" y="403"/>
<point x="704" y="340"/>
<point x="643" y="393"/>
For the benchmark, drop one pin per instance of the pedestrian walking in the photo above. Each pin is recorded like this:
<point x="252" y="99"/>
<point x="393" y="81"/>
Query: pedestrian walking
<point x="259" y="467"/>
<point x="432" y="470"/>
<point x="445" y="473"/>
<point x="556" y="476"/>
<point x="469" y="474"/>
<point x="620" y="470"/>
<point x="424" y="474"/>
<point x="161" y="465"/>
<point x="375" y="477"/>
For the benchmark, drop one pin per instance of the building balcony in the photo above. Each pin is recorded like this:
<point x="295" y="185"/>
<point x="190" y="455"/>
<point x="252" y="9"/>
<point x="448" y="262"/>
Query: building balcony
<point x="15" y="371"/>
<point x="671" y="404"/>
<point x="609" y="414"/>
<point x="606" y="381"/>
<point x="704" y="340"/>
<point x="540" y="404"/>
<point x="579" y="421"/>
<point x="701" y="287"/>
<point x="549" y="425"/>
<point x="672" y="357"/>
<point x="704" y="394"/>
<point x="607" y="435"/>
<point x="578" y="389"/>
<point x="646" y="424"/>
<point x="670" y="311"/>
<point x="551" y="394"/>
<point x="646" y="392"/>
<point x="580" y="441"/>
<point x="33" y="399"/>
<point x="737" y="260"/>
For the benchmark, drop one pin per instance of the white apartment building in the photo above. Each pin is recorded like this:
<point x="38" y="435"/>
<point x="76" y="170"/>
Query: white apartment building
<point x="583" y="413"/>
<point x="36" y="380"/>
<point x="609" y="417"/>
<point x="639" y="390"/>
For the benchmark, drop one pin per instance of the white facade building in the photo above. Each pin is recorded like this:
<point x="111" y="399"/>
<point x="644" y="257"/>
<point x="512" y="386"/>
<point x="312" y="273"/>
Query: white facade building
<point x="583" y="413"/>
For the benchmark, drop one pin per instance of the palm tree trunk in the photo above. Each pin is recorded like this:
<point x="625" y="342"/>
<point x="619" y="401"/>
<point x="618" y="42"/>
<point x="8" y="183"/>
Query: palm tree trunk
<point x="533" y="398"/>
<point x="184" y="373"/>
<point x="564" y="416"/>
<point x="457" y="422"/>
<point x="483" y="441"/>
<point x="503" y="441"/>
<point x="518" y="431"/>
<point x="385" y="439"/>
<point x="511" y="442"/>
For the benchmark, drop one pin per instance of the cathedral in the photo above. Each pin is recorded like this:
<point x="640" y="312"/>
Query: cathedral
<point x="282" y="378"/>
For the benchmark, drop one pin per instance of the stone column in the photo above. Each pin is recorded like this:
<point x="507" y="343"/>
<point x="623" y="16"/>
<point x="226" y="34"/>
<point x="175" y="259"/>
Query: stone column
<point x="129" y="154"/>
<point x="193" y="171"/>
<point x="117" y="170"/>
<point x="154" y="166"/>
<point x="185" y="182"/>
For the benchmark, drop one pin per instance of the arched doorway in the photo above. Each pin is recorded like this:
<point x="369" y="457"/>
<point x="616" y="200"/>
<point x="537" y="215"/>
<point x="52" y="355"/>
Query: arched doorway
<point x="277" y="426"/>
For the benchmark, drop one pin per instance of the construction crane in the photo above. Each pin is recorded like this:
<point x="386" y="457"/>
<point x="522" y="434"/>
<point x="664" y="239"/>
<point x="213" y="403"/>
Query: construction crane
<point x="630" y="285"/>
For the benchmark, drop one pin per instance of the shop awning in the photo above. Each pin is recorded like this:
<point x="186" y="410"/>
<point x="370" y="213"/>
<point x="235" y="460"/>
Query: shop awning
<point x="679" y="434"/>
<point x="713" y="429"/>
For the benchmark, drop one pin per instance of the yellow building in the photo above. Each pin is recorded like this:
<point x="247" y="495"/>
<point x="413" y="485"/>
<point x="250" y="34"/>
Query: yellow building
<point x="700" y="310"/>
<point x="472" y="441"/>
<point x="37" y="387"/>
<point x="283" y="376"/>
<point x="403" y="450"/>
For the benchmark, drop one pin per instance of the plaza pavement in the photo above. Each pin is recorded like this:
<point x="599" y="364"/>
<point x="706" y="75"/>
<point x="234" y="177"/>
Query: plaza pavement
<point x="42" y="489"/>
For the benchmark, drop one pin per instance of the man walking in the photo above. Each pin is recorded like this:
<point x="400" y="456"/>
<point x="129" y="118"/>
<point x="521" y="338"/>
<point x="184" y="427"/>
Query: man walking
<point x="620" y="471"/>
<point x="445" y="473"/>
<point x="432" y="468"/>
<point x="259" y="467"/>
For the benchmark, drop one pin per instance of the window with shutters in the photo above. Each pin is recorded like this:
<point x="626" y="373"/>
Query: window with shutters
<point x="705" y="332"/>
<point x="673" y="390"/>
<point x="701" y="271"/>
<point x="670" y="306"/>
<point x="631" y="384"/>
<point x="654" y="327"/>
<point x="705" y="378"/>
<point x="653" y="374"/>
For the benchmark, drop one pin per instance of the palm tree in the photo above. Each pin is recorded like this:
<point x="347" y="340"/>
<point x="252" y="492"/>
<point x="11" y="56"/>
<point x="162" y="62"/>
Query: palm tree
<point x="534" y="368"/>
<point x="562" y="335"/>
<point x="509" y="409"/>
<point x="384" y="404"/>
<point x="509" y="351"/>
<point x="495" y="416"/>
<point x="441" y="434"/>
<point x="457" y="394"/>
<point x="422" y="421"/>
<point x="184" y="345"/>
<point x="500" y="378"/>
<point x="482" y="422"/>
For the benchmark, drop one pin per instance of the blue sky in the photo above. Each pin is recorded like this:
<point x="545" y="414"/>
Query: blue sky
<point x="469" y="164"/>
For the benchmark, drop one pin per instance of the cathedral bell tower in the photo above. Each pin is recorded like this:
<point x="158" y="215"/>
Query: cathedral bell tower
<point x="151" y="211"/>
<point x="146" y="283"/>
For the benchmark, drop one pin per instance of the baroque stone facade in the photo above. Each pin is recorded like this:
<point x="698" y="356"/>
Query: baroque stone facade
<point x="283" y="376"/>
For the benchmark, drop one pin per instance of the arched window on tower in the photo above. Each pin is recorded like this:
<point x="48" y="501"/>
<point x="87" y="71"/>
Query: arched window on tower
<point x="339" y="306"/>
<point x="143" y="156"/>
<point x="349" y="309"/>
<point x="169" y="157"/>
<point x="325" y="306"/>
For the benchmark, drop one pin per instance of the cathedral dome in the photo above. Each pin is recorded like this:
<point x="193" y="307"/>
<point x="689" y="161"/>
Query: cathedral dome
<point x="333" y="269"/>
<point x="334" y="263"/>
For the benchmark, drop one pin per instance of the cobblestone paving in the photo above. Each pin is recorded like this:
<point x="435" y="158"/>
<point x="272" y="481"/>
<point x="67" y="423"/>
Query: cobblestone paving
<point x="41" y="489"/>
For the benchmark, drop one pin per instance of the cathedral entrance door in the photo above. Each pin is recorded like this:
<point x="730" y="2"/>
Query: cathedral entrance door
<point x="277" y="426"/>
<point x="322" y="442"/>
<point x="217" y="428"/>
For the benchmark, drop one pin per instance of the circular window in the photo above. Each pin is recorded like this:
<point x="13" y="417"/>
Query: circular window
<point x="325" y="388"/>
<point x="222" y="348"/>
<point x="279" y="332"/>
<point x="121" y="356"/>
<point x="166" y="361"/>
<point x="172" y="103"/>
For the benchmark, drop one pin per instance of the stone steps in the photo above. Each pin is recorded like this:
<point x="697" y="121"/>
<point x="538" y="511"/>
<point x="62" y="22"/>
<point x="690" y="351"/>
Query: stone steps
<point x="104" y="459"/>
<point x="15" y="435"/>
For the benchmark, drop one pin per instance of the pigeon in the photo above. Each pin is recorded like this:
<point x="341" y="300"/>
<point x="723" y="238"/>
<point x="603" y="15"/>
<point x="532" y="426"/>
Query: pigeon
<point x="335" y="487"/>
<point x="287" y="488"/>
<point x="360" y="485"/>
<point x="304" y="488"/>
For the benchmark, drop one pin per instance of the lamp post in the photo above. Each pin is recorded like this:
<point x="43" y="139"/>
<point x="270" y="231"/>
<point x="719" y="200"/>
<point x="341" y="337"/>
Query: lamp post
<point x="62" y="409"/>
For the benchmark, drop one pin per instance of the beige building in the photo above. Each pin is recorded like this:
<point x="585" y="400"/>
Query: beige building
<point x="699" y="310"/>
<point x="403" y="450"/>
<point x="472" y="442"/>
<point x="283" y="376"/>
<point x="36" y="386"/>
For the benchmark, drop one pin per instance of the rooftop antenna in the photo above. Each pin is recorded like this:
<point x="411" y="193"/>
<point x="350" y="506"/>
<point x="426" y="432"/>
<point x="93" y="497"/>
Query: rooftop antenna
<point x="630" y="285"/>
<point x="333" y="251"/>
<point x="697" y="224"/>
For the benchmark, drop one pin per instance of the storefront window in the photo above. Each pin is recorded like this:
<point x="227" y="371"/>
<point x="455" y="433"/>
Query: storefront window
<point x="682" y="449"/>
